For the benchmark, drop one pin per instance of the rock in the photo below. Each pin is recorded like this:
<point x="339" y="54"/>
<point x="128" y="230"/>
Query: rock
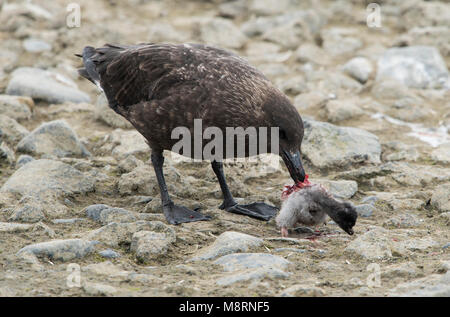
<point x="298" y="290"/>
<point x="310" y="53"/>
<point x="434" y="285"/>
<point x="404" y="270"/>
<point x="340" y="42"/>
<point x="328" y="146"/>
<point x="425" y="14"/>
<point x="165" y="32"/>
<point x="414" y="66"/>
<point x="222" y="32"/>
<point x="271" y="7"/>
<point x="390" y="89"/>
<point x="124" y="143"/>
<point x="109" y="254"/>
<point x="416" y="244"/>
<point x="243" y="261"/>
<point x="149" y="245"/>
<point x="429" y="36"/>
<point x="60" y="250"/>
<point x="310" y="100"/>
<point x="15" y="107"/>
<point x="441" y="154"/>
<point x="97" y="289"/>
<point x="7" y="154"/>
<point x="307" y="20"/>
<point x="365" y="210"/>
<point x="68" y="221"/>
<point x="106" y="115"/>
<point x="141" y="180"/>
<point x="405" y="220"/>
<point x="441" y="198"/>
<point x="106" y="214"/>
<point x="257" y="274"/>
<point x="128" y="164"/>
<point x="444" y="266"/>
<point x="44" y="85"/>
<point x="294" y="85"/>
<point x="23" y="159"/>
<point x="14" y="227"/>
<point x="342" y="189"/>
<point x="47" y="177"/>
<point x="340" y="110"/>
<point x="33" y="45"/>
<point x="372" y="245"/>
<point x="31" y="209"/>
<point x="360" y="68"/>
<point x="228" y="242"/>
<point x="10" y="130"/>
<point x="54" y="138"/>
<point x="106" y="268"/>
<point x="115" y="233"/>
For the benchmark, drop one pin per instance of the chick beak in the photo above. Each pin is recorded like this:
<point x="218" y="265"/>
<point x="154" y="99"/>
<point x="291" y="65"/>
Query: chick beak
<point x="294" y="165"/>
<point x="350" y="231"/>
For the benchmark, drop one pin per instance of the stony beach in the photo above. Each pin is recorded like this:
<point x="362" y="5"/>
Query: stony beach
<point x="80" y="212"/>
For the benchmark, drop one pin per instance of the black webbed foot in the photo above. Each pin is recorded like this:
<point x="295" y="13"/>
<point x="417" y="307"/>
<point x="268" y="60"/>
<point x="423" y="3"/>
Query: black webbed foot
<point x="178" y="214"/>
<point x="259" y="211"/>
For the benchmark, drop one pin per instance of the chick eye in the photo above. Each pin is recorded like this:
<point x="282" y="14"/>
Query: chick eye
<point x="283" y="135"/>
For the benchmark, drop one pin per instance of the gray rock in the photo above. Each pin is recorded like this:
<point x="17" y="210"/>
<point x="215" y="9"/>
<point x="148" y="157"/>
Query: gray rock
<point x="340" y="42"/>
<point x="408" y="270"/>
<point x="369" y="200"/>
<point x="311" y="53"/>
<point x="372" y="245"/>
<point x="36" y="45"/>
<point x="271" y="7"/>
<point x="97" y="289"/>
<point x="123" y="143"/>
<point x="115" y="233"/>
<point x="405" y="220"/>
<point x="10" y="130"/>
<point x="414" y="66"/>
<point x="23" y="159"/>
<point x="106" y="115"/>
<point x="328" y="146"/>
<point x="128" y="164"/>
<point x="243" y="261"/>
<point x="16" y="107"/>
<point x="47" y="177"/>
<point x="14" y="227"/>
<point x="222" y="32"/>
<point x="340" y="110"/>
<point x="228" y="242"/>
<point x="359" y="68"/>
<point x="441" y="154"/>
<point x="68" y="221"/>
<point x="165" y="32"/>
<point x="7" y="154"/>
<point x="365" y="210"/>
<point x="109" y="254"/>
<point x="106" y="214"/>
<point x="434" y="285"/>
<point x="342" y="189"/>
<point x="60" y="250"/>
<point x="299" y="290"/>
<point x="148" y="245"/>
<point x="44" y="85"/>
<point x="390" y="89"/>
<point x="54" y="138"/>
<point x="441" y="198"/>
<point x="257" y="274"/>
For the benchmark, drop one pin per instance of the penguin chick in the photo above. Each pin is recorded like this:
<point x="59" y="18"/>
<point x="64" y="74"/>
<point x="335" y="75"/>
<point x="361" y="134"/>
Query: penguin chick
<point x="310" y="206"/>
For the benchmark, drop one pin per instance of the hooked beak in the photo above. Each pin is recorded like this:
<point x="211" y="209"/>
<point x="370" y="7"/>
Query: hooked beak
<point x="294" y="165"/>
<point x="350" y="231"/>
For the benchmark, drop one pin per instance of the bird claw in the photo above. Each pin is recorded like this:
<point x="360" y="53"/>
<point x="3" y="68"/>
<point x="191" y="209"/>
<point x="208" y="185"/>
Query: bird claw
<point x="259" y="210"/>
<point x="178" y="214"/>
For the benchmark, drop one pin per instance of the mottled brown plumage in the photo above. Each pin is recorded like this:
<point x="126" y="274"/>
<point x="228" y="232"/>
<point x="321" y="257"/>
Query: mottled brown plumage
<point x="159" y="87"/>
